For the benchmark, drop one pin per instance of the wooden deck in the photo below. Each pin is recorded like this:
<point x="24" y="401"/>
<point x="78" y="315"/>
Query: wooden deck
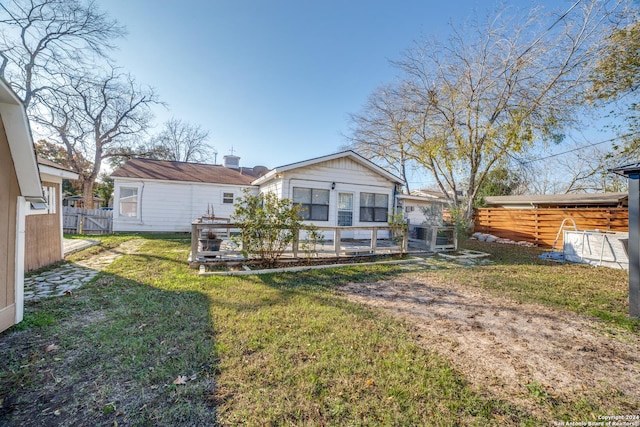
<point x="379" y="242"/>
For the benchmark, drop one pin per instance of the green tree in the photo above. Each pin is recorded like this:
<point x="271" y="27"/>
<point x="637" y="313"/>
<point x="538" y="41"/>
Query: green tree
<point x="499" y="181"/>
<point x="268" y="224"/>
<point x="104" y="188"/>
<point x="617" y="79"/>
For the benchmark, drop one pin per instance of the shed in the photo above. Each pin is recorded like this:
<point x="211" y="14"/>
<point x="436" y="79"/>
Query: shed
<point x="19" y="185"/>
<point x="44" y="243"/>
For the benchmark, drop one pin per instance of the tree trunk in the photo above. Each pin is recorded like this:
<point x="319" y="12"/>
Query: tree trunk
<point x="87" y="194"/>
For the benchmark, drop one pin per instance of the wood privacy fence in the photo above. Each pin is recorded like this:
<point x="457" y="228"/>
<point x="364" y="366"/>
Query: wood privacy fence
<point x="540" y="226"/>
<point x="87" y="221"/>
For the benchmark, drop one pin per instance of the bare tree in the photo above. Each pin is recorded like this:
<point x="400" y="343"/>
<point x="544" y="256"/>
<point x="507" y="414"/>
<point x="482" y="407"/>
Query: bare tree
<point x="98" y="117"/>
<point x="383" y="131"/>
<point x="582" y="169"/>
<point x="41" y="38"/>
<point x="499" y="88"/>
<point x="183" y="142"/>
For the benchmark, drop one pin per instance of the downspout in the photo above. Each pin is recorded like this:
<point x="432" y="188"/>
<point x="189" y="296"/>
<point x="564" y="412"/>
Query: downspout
<point x="19" y="258"/>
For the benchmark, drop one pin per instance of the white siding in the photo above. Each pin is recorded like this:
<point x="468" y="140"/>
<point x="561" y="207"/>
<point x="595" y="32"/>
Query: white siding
<point x="415" y="214"/>
<point x="349" y="177"/>
<point x="274" y="186"/>
<point x="166" y="206"/>
<point x="172" y="206"/>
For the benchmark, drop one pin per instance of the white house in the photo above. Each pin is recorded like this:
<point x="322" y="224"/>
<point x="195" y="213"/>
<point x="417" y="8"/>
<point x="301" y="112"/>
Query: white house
<point x="343" y="189"/>
<point x="19" y="186"/>
<point x="423" y="207"/>
<point x="163" y="196"/>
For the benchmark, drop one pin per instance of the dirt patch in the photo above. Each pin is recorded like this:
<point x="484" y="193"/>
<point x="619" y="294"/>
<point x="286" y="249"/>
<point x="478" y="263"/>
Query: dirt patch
<point x="512" y="350"/>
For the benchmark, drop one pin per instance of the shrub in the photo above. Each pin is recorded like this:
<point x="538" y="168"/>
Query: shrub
<point x="268" y="225"/>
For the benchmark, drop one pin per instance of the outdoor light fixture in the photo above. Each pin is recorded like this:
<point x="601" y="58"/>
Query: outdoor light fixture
<point x="333" y="185"/>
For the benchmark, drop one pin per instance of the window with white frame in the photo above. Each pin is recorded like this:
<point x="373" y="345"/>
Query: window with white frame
<point x="374" y="207"/>
<point x="128" y="202"/>
<point x="314" y="203"/>
<point x="49" y="193"/>
<point x="227" y="198"/>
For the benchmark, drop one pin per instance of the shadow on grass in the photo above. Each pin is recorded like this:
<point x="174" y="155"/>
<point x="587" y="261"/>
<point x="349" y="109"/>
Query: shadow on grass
<point x="110" y="353"/>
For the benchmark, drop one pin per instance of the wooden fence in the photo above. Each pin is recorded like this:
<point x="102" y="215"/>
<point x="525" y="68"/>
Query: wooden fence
<point x="87" y="221"/>
<point x="540" y="226"/>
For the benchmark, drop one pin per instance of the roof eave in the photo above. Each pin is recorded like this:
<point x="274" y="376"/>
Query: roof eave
<point x="16" y="125"/>
<point x="353" y="155"/>
<point x="61" y="173"/>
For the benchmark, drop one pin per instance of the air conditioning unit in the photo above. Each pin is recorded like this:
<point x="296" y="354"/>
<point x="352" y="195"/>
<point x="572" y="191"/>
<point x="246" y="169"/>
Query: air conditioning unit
<point x="439" y="239"/>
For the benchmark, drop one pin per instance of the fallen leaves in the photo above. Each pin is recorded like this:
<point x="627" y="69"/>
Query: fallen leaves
<point x="51" y="347"/>
<point x="182" y="379"/>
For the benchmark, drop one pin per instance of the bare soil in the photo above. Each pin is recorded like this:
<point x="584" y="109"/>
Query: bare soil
<point x="508" y="349"/>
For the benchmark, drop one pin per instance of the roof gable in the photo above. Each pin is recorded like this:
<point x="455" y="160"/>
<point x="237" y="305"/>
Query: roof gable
<point x="16" y="126"/>
<point x="183" y="171"/>
<point x="331" y="157"/>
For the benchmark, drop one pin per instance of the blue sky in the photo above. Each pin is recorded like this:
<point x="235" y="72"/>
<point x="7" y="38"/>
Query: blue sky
<point x="275" y="79"/>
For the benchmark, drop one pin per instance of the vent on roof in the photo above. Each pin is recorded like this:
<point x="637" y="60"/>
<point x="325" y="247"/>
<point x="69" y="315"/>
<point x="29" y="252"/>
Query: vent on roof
<point x="231" y="162"/>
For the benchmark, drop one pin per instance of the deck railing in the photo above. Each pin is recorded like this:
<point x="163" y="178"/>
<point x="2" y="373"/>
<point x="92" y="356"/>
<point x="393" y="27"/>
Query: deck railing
<point x="340" y="246"/>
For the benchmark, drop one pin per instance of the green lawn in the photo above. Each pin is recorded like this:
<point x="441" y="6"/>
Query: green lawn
<point x="258" y="350"/>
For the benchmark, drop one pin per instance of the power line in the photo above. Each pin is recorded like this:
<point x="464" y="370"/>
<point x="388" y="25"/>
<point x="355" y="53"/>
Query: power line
<point x="564" y="15"/>
<point x="580" y="148"/>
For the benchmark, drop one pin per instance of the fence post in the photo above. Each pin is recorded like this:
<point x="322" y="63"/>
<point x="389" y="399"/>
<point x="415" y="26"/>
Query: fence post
<point x="194" y="242"/>
<point x="79" y="224"/>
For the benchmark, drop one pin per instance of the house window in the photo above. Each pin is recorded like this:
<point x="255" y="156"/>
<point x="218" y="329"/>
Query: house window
<point x="49" y="194"/>
<point x="410" y="208"/>
<point x="227" y="198"/>
<point x="374" y="207"/>
<point x="128" y="201"/>
<point x="314" y="203"/>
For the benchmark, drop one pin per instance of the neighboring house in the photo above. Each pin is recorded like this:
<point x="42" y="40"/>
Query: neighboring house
<point x="164" y="196"/>
<point x="44" y="242"/>
<point x="342" y="189"/>
<point x="586" y="200"/>
<point x="19" y="186"/>
<point x="420" y="210"/>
